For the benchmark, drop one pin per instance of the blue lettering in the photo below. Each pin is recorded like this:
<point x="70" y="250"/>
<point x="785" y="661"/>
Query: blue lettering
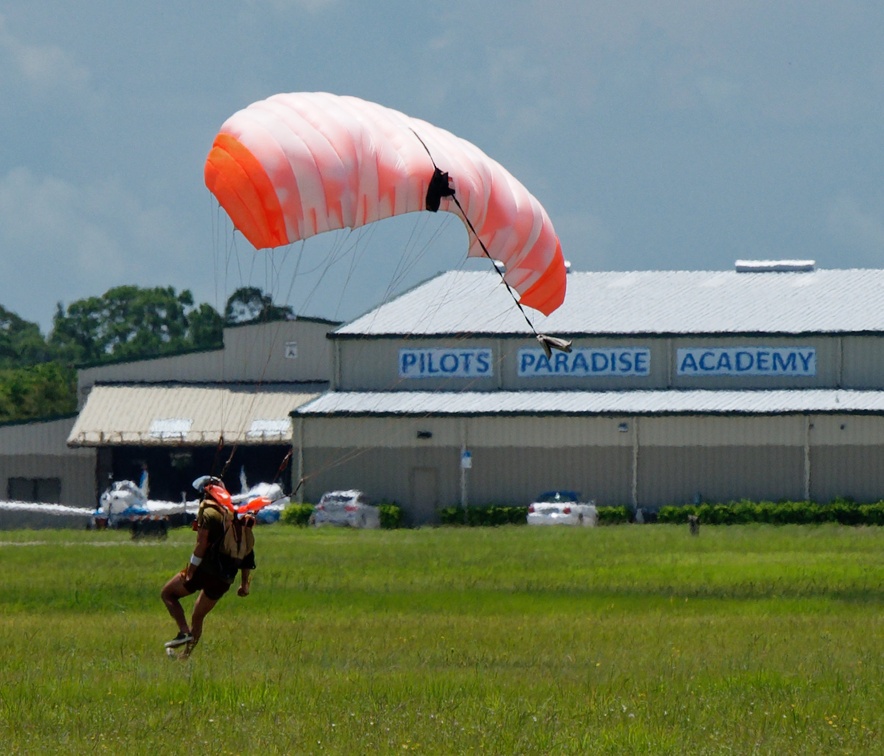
<point x="599" y="361"/>
<point x="409" y="359"/>
<point x="482" y="364"/>
<point x="641" y="362"/>
<point x="704" y="365"/>
<point x="580" y="363"/>
<point x="762" y="359"/>
<point x="806" y="360"/>
<point x="784" y="364"/>
<point x="688" y="364"/>
<point x="449" y="363"/>
<point x="744" y="361"/>
<point x="724" y="362"/>
<point x="561" y="363"/>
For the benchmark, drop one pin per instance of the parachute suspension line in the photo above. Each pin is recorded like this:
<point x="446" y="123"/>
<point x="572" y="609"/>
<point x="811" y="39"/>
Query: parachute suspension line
<point x="439" y="188"/>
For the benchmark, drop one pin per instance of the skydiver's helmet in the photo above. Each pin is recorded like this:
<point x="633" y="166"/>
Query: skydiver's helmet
<point x="213" y="488"/>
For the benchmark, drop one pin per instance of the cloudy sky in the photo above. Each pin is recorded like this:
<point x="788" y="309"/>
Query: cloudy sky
<point x="658" y="135"/>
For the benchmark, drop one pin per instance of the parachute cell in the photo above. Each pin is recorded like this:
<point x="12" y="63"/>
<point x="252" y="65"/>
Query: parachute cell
<point x="296" y="165"/>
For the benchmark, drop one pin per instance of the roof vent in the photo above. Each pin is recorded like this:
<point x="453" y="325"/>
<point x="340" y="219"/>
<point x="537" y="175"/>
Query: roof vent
<point x="775" y="266"/>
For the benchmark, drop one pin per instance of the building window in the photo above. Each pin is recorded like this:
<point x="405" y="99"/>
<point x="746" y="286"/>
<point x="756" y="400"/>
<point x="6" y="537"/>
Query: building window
<point x="43" y="490"/>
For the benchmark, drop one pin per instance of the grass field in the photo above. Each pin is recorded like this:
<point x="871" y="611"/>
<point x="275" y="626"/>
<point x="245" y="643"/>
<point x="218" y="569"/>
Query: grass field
<point x="629" y="639"/>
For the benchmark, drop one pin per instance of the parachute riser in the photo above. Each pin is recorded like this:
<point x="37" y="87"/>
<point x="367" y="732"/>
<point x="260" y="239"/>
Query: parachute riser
<point x="439" y="188"/>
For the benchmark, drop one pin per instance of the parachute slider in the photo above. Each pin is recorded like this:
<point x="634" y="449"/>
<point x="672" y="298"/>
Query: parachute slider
<point x="438" y="188"/>
<point x="553" y="342"/>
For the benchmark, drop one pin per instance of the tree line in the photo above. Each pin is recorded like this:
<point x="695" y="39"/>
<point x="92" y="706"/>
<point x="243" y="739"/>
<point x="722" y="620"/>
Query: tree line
<point x="38" y="375"/>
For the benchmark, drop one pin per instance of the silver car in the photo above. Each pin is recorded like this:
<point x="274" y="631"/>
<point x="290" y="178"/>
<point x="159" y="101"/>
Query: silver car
<point x="562" y="508"/>
<point x="346" y="508"/>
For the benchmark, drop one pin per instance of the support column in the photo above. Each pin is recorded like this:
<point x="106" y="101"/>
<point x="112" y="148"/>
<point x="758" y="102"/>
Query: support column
<point x="635" y="462"/>
<point x="808" y="426"/>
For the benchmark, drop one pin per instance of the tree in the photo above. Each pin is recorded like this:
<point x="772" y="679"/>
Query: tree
<point x="129" y="322"/>
<point x="37" y="391"/>
<point x="21" y="342"/>
<point x="206" y="327"/>
<point x="250" y="305"/>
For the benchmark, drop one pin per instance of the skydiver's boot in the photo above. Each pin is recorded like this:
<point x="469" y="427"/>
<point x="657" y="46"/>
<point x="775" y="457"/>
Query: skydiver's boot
<point x="179" y="640"/>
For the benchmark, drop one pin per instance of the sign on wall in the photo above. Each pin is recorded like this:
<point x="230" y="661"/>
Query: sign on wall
<point x="614" y="362"/>
<point x="761" y="360"/>
<point x="445" y="363"/>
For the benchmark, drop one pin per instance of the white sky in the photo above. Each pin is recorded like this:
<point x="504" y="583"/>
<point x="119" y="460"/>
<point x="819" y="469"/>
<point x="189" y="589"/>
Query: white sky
<point x="658" y="135"/>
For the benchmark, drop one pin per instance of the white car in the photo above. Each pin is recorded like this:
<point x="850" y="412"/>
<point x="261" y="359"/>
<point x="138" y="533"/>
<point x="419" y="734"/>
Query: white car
<point x="562" y="508"/>
<point x="346" y="508"/>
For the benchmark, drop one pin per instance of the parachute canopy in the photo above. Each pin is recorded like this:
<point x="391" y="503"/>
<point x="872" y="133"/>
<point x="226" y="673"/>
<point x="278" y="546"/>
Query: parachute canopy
<point x="296" y="165"/>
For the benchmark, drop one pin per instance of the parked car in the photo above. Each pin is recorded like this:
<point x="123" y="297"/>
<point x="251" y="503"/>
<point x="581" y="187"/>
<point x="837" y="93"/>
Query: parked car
<point x="346" y="508"/>
<point x="562" y="508"/>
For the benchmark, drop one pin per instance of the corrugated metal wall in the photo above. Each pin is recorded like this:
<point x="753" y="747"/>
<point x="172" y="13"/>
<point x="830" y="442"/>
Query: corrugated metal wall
<point x="851" y="362"/>
<point x="854" y="472"/>
<point x="685" y="474"/>
<point x="39" y="450"/>
<point x="862" y="361"/>
<point x="646" y="461"/>
<point x="280" y="352"/>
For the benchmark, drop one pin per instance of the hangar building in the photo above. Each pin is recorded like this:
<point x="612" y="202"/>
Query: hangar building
<point x="180" y="415"/>
<point x="764" y="382"/>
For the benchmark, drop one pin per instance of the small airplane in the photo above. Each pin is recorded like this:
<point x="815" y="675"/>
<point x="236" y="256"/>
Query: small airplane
<point x="125" y="503"/>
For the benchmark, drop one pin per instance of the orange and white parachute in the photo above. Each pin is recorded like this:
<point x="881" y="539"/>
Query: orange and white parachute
<point x="296" y="165"/>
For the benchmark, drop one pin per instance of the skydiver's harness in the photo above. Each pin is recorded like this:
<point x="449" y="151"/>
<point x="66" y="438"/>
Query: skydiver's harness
<point x="238" y="539"/>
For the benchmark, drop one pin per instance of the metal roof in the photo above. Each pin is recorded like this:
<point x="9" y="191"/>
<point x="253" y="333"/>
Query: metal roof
<point x="452" y="403"/>
<point x="643" y="302"/>
<point x="176" y="414"/>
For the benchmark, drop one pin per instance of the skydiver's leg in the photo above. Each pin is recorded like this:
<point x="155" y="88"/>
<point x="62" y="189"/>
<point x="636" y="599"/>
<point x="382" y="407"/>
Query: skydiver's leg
<point x="201" y="607"/>
<point x="171" y="594"/>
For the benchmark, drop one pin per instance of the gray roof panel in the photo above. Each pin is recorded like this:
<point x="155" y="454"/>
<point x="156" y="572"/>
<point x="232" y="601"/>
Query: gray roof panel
<point x="442" y="403"/>
<point x="185" y="414"/>
<point x="639" y="303"/>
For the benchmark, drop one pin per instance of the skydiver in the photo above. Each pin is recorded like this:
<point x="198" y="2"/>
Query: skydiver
<point x="210" y="570"/>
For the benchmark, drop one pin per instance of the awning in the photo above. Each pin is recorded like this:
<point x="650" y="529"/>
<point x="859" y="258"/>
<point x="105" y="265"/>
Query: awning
<point x="178" y="415"/>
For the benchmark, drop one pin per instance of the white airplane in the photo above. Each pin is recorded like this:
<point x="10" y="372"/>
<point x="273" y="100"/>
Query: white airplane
<point x="125" y="502"/>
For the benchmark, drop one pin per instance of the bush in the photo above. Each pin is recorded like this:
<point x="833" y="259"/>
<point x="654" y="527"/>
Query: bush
<point x="490" y="514"/>
<point x="391" y="514"/>
<point x="612" y="515"/>
<point x="297" y="514"/>
<point x="842" y="511"/>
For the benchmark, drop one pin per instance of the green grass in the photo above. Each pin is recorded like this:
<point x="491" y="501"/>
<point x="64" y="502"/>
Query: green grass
<point x="750" y="639"/>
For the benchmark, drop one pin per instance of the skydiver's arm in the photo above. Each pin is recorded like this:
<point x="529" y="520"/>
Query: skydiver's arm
<point x="199" y="551"/>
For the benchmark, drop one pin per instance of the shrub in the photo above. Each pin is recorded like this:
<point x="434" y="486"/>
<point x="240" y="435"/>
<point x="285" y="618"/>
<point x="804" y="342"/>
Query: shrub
<point x="390" y="514"/>
<point x="297" y="514"/>
<point x="872" y="514"/>
<point x="612" y="515"/>
<point x="490" y="514"/>
<point x="452" y="516"/>
<point x="841" y="510"/>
